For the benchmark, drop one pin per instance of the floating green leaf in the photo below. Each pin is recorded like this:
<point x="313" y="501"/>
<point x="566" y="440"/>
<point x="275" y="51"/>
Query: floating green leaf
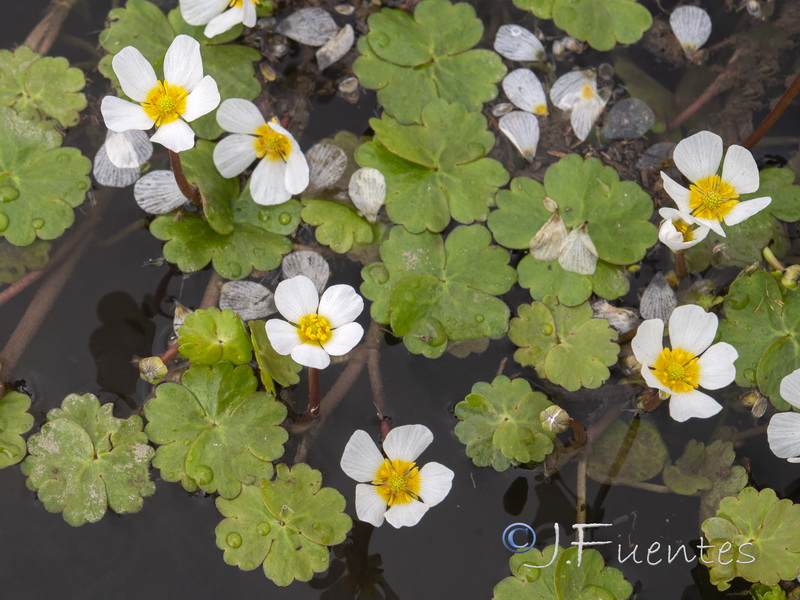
<point x="584" y="192"/>
<point x="338" y="226"/>
<point x="431" y="290"/>
<point x="287" y="525"/>
<point x="602" y="24"/>
<point x="215" y="431"/>
<point x="762" y="535"/>
<point x="763" y="592"/>
<point x="500" y="424"/>
<point x="745" y="241"/>
<point x="412" y="60"/>
<point x="40" y="182"/>
<point x="41" y="87"/>
<point x="84" y="460"/>
<point x="16" y="261"/>
<point x="14" y="421"/>
<point x="565" y="344"/>
<point x="436" y="170"/>
<point x="761" y="323"/>
<point x="210" y="336"/>
<point x="142" y="24"/>
<point x="632" y="452"/>
<point x="282" y="219"/>
<point x="274" y="367"/>
<point x="567" y="578"/>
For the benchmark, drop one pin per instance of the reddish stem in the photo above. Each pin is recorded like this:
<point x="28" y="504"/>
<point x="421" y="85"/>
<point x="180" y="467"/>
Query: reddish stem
<point x="169" y="353"/>
<point x="773" y="115"/>
<point x="313" y="394"/>
<point x="187" y="189"/>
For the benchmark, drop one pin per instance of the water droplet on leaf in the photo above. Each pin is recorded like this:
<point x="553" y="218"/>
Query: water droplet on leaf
<point x="8" y="193"/>
<point x="37" y="223"/>
<point x="234" y="270"/>
<point x="750" y="375"/>
<point x="284" y="218"/>
<point x="3" y="222"/>
<point x="739" y="302"/>
<point x="263" y="528"/>
<point x="204" y="475"/>
<point x="547" y="329"/>
<point x="479" y="318"/>
<point x="234" y="540"/>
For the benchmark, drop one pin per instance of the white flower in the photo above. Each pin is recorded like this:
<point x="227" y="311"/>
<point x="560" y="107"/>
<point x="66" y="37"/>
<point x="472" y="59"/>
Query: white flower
<point x="317" y="328"/>
<point x="183" y="96"/>
<point x="783" y="432"/>
<point x="679" y="231"/>
<point x="282" y="171"/>
<point x="711" y="198"/>
<point x="577" y="92"/>
<point x="679" y="371"/>
<point x="393" y="486"/>
<point x="219" y="15"/>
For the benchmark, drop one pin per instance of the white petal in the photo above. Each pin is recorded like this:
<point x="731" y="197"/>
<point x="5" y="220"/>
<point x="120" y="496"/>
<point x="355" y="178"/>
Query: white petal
<point x="692" y="404"/>
<point x="108" y="174"/>
<point x="698" y="155"/>
<point x="248" y="299"/>
<point x="522" y="129"/>
<point x="177" y="136"/>
<point x="234" y="154"/>
<point x="249" y="18"/>
<point x="714" y="225"/>
<point x="308" y="263"/>
<point x="692" y="26"/>
<point x="128" y="149"/>
<point x="310" y="355"/>
<point x="525" y="91"/>
<point x="673" y="239"/>
<point x="183" y="65"/>
<point x="340" y="304"/>
<point x="336" y="47"/>
<point x="361" y="457"/>
<point x="652" y="381"/>
<point x="692" y="329"/>
<point x="783" y="434"/>
<point x="546" y="244"/>
<point x="677" y="192"/>
<point x="435" y="483"/>
<point x="740" y="170"/>
<point x="577" y="253"/>
<point x="790" y="388"/>
<point x="744" y="210"/>
<point x="200" y="12"/>
<point x="239" y="116"/>
<point x="295" y="177"/>
<point x="716" y="366"/>
<point x="309" y="26"/>
<point x="648" y="342"/>
<point x="567" y="89"/>
<point x="584" y="114"/>
<point x="370" y="507"/>
<point x="136" y="75"/>
<point x="283" y="336"/>
<point x="158" y="193"/>
<point x="202" y="100"/>
<point x="344" y="339"/>
<point x="121" y="115"/>
<point x="296" y="297"/>
<point x="367" y="190"/>
<point x="517" y="43"/>
<point x="407" y="442"/>
<point x="405" y="515"/>
<point x="225" y="21"/>
<point x="326" y="163"/>
<point x="267" y="185"/>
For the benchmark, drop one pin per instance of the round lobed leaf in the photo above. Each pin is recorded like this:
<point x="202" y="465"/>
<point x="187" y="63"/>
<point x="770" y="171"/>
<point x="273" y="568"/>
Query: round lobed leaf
<point x="14" y="421"/>
<point x="273" y="367"/>
<point x="338" y="226"/>
<point x="210" y="336"/>
<point x="16" y="261"/>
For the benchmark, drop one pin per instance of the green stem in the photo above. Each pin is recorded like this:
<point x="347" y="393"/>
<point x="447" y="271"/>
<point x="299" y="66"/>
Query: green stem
<point x="771" y="259"/>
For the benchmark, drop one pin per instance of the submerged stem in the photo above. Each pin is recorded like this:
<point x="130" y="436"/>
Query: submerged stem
<point x="41" y="37"/>
<point x="774" y="114"/>
<point x="312" y="412"/>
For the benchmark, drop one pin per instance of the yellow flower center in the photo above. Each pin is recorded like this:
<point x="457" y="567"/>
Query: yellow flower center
<point x="587" y="93"/>
<point x="165" y="103"/>
<point x="677" y="370"/>
<point x="240" y="2"/>
<point x="270" y="144"/>
<point x="314" y="329"/>
<point x="398" y="481"/>
<point x="712" y="198"/>
<point x="685" y="229"/>
<point x="540" y="109"/>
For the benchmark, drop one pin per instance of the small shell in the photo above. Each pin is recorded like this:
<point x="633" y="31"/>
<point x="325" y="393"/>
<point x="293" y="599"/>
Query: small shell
<point x="248" y="299"/>
<point x="308" y="263"/>
<point x="578" y="254"/>
<point x="128" y="149"/>
<point x="105" y="173"/>
<point x="498" y="110"/>
<point x="517" y="43"/>
<point x="344" y="9"/>
<point x="522" y="128"/>
<point x="349" y="85"/>
<point x="692" y="26"/>
<point x="753" y="8"/>
<point x="336" y="47"/>
<point x="658" y="299"/>
<point x="622" y="320"/>
<point x="309" y="26"/>
<point x="368" y="191"/>
<point x="158" y="193"/>
<point x="549" y="204"/>
<point x="326" y="163"/>
<point x="525" y="90"/>
<point x="547" y="242"/>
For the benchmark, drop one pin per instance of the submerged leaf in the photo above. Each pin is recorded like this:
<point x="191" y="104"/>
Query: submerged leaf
<point x="16" y="261"/>
<point x="285" y="526"/>
<point x="632" y="452"/>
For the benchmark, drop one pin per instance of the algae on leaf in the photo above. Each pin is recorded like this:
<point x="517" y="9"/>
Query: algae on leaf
<point x="285" y="526"/>
<point x="85" y="460"/>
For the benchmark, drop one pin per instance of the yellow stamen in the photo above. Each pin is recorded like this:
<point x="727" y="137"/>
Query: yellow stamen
<point x="270" y="144"/>
<point x="314" y="329"/>
<point x="677" y="370"/>
<point x="240" y="2"/>
<point x="398" y="481"/>
<point x="712" y="198"/>
<point x="540" y="109"/>
<point x="165" y="103"/>
<point x="685" y="229"/>
<point x="587" y="93"/>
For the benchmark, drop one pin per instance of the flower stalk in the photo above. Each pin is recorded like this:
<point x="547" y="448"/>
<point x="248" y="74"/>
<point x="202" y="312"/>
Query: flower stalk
<point x="312" y="412"/>
<point x="187" y="189"/>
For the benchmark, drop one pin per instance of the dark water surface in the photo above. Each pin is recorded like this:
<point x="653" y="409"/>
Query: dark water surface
<point x="109" y="313"/>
